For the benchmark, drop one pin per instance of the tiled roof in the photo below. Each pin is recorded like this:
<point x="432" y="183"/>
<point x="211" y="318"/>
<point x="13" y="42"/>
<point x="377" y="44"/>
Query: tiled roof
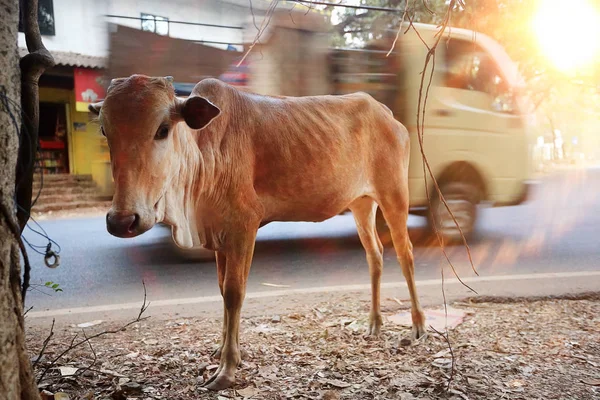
<point x="74" y="59"/>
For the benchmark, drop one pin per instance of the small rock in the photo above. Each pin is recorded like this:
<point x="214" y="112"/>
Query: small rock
<point x="123" y="381"/>
<point x="276" y="318"/>
<point x="405" y="342"/>
<point x="131" y="388"/>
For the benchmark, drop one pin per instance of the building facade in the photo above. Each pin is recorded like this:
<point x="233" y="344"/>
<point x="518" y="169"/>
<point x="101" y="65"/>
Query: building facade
<point x="77" y="33"/>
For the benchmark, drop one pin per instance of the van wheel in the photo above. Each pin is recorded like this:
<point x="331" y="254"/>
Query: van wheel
<point x="462" y="199"/>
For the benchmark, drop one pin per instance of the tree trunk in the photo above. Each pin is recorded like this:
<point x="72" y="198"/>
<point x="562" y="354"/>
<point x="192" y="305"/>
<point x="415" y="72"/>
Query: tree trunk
<point x="16" y="378"/>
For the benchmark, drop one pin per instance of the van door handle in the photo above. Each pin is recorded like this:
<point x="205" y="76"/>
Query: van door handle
<point x="442" y="112"/>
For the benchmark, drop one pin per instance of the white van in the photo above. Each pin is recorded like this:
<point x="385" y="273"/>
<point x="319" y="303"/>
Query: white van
<point x="475" y="127"/>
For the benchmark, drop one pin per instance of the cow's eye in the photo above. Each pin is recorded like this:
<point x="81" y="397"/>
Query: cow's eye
<point x="162" y="133"/>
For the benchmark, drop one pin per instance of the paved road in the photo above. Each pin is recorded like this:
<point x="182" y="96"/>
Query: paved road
<point x="556" y="232"/>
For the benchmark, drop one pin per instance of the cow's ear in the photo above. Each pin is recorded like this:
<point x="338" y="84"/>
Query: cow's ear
<point x="95" y="107"/>
<point x="198" y="112"/>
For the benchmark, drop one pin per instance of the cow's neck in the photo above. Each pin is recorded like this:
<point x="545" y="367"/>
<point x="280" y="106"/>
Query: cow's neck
<point x="183" y="191"/>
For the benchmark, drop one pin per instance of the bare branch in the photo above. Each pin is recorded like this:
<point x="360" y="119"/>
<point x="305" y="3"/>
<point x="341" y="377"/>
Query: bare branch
<point x="399" y="29"/>
<point x="356" y="7"/>
<point x="93" y="352"/>
<point x="261" y="30"/>
<point x="253" y="16"/>
<point x="422" y="104"/>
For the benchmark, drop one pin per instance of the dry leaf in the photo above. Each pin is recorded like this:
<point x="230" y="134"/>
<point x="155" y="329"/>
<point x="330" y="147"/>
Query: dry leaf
<point x="61" y="396"/>
<point x="330" y="395"/>
<point x="274" y="285"/>
<point x="247" y="392"/>
<point x="592" y="382"/>
<point x="67" y="371"/>
<point x="89" y="324"/>
<point x="337" y="383"/>
<point x="441" y="353"/>
<point x="46" y="395"/>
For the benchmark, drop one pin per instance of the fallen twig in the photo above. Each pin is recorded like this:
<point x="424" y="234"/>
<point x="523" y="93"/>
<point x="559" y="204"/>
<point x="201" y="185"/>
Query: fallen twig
<point x="45" y="344"/>
<point x="86" y="339"/>
<point x="447" y="340"/>
<point x="83" y="371"/>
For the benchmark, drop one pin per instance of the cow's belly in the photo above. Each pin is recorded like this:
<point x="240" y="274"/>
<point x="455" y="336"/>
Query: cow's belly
<point x="313" y="207"/>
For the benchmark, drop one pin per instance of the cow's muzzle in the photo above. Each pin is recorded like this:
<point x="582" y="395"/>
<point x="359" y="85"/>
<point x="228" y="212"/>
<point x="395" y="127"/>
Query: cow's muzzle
<point x="123" y="224"/>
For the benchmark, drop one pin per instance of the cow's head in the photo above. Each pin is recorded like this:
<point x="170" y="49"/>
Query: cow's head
<point x="140" y="118"/>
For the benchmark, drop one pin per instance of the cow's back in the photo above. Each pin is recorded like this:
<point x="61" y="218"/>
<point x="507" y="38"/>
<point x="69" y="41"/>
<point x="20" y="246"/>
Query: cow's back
<point x="309" y="157"/>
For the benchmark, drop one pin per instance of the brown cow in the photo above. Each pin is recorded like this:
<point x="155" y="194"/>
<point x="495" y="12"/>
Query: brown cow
<point x="218" y="165"/>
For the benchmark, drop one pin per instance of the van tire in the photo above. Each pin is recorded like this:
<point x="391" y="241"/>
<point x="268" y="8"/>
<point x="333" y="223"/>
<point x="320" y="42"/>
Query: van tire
<point x="462" y="199"/>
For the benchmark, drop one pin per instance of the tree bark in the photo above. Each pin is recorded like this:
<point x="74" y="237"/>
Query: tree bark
<point x="33" y="66"/>
<point x="16" y="377"/>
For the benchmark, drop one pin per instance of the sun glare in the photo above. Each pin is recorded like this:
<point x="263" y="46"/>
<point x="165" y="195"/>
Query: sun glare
<point x="568" y="32"/>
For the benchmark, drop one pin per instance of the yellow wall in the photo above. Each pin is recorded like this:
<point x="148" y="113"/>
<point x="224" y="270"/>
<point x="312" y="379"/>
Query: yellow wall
<point x="88" y="153"/>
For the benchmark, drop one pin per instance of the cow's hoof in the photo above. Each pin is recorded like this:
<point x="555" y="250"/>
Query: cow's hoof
<point x="219" y="381"/>
<point x="419" y="333"/>
<point x="375" y="323"/>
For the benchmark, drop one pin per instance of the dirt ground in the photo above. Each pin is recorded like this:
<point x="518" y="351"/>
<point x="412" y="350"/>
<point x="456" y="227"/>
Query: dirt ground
<point x="504" y="349"/>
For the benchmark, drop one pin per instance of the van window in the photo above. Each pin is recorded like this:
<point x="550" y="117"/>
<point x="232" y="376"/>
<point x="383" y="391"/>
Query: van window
<point x="469" y="67"/>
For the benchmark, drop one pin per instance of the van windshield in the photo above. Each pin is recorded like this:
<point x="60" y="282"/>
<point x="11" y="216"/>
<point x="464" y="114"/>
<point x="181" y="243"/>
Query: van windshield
<point x="470" y="67"/>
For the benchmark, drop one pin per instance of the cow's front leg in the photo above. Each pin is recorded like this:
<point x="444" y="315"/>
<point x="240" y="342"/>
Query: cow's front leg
<point x="238" y="259"/>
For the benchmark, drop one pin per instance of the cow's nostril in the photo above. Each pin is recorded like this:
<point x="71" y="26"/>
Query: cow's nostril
<point x="122" y="225"/>
<point x="135" y="223"/>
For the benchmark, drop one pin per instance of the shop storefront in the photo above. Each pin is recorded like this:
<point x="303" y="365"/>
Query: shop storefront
<point x="69" y="138"/>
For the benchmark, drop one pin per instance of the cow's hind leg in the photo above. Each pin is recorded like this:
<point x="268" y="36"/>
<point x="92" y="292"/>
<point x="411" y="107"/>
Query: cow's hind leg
<point x="395" y="211"/>
<point x="364" y="210"/>
<point x="221" y="264"/>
